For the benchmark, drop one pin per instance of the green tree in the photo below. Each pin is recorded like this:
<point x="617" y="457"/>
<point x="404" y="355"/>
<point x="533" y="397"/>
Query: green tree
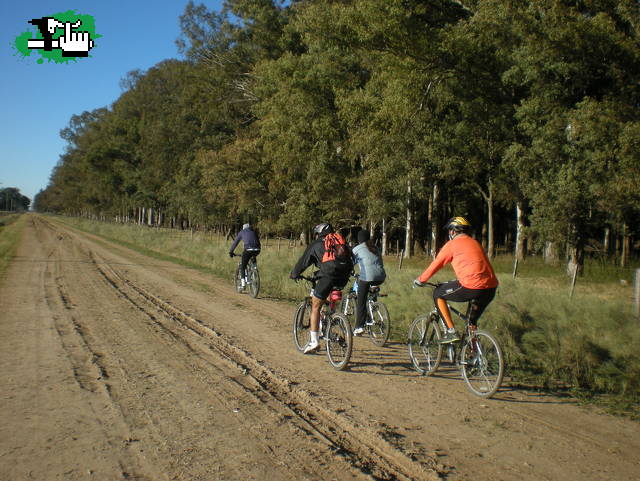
<point x="12" y="200"/>
<point x="568" y="55"/>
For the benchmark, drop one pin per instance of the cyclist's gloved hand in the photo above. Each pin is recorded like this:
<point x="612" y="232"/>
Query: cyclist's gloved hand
<point x="230" y="254"/>
<point x="417" y="283"/>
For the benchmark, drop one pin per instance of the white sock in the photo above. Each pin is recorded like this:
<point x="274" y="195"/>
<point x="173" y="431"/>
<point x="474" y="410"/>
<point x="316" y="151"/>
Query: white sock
<point x="314" y="337"/>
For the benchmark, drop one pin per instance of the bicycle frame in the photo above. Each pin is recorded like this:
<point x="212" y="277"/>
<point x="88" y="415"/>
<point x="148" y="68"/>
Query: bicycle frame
<point x="371" y="298"/>
<point x="453" y="352"/>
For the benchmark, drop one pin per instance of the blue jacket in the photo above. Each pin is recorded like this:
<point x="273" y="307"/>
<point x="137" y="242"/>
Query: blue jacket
<point x="249" y="239"/>
<point x="371" y="266"/>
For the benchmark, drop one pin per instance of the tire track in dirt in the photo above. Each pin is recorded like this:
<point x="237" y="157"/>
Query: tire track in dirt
<point x="519" y="435"/>
<point x="148" y="304"/>
<point x="379" y="459"/>
<point x="88" y="372"/>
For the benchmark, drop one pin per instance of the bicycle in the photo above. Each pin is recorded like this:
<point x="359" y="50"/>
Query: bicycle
<point x="378" y="323"/>
<point x="334" y="327"/>
<point x="477" y="353"/>
<point x="253" y="277"/>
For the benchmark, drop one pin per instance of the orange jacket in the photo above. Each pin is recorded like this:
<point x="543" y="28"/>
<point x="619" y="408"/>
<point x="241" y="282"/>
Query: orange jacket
<point x="469" y="262"/>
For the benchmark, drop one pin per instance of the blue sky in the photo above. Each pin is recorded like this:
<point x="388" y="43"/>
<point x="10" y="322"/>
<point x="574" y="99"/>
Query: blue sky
<point x="39" y="99"/>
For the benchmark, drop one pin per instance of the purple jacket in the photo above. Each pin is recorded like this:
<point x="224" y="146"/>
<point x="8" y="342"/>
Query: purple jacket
<point x="249" y="239"/>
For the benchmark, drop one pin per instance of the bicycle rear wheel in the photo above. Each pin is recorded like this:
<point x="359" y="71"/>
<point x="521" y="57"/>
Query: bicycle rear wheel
<point x="339" y="341"/>
<point x="254" y="279"/>
<point x="301" y="325"/>
<point x="425" y="350"/>
<point x="380" y="328"/>
<point x="482" y="364"/>
<point x="237" y="280"/>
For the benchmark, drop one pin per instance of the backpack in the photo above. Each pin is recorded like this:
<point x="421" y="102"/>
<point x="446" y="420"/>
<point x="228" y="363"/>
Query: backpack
<point x="336" y="259"/>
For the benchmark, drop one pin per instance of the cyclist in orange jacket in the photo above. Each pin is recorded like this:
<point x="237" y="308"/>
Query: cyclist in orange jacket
<point x="476" y="281"/>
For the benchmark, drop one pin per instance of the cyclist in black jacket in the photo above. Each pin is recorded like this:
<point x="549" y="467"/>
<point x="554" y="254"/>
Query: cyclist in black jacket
<point x="331" y="274"/>
<point x="251" y="243"/>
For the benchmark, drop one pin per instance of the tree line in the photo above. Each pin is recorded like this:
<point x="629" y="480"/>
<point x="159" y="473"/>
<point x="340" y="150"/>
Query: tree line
<point x="521" y="115"/>
<point x="13" y="201"/>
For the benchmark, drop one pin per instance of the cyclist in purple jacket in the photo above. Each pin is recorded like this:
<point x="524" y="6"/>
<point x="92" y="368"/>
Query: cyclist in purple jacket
<point x="251" y="243"/>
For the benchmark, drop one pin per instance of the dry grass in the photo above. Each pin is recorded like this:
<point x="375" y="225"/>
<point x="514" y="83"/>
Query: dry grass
<point x="11" y="227"/>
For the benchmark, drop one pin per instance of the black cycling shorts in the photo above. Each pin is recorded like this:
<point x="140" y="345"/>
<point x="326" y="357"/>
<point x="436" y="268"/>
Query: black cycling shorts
<point x="325" y="284"/>
<point x="454" y="291"/>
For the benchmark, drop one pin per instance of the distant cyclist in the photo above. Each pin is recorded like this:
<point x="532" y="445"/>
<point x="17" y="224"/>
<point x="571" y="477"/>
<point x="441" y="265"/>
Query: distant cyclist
<point x="372" y="273"/>
<point x="476" y="280"/>
<point x="251" y="243"/>
<point x="326" y="253"/>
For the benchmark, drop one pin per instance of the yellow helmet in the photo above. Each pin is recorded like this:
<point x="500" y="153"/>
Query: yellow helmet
<point x="458" y="224"/>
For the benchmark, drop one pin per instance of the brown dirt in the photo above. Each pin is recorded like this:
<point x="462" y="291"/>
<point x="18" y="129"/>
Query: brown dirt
<point x="115" y="366"/>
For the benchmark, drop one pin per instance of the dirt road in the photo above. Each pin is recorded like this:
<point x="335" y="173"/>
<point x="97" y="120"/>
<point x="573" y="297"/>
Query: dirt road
<point x="115" y="366"/>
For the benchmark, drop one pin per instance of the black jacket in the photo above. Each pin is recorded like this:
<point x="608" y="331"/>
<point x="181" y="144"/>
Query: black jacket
<point x="313" y="256"/>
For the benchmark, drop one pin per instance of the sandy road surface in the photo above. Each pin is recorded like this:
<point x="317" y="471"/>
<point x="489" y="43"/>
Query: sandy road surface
<point x="114" y="366"/>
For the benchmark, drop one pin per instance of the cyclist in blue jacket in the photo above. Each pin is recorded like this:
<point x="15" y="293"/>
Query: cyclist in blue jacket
<point x="372" y="273"/>
<point x="251" y="243"/>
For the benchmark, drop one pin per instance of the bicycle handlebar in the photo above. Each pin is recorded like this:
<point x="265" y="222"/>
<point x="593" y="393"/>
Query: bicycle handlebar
<point x="430" y="284"/>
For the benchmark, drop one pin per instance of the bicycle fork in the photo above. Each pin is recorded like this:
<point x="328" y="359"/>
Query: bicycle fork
<point x="476" y="350"/>
<point x="369" y="321"/>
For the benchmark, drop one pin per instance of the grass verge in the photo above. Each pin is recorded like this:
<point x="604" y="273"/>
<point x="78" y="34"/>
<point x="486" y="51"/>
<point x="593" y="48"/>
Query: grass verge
<point x="11" y="227"/>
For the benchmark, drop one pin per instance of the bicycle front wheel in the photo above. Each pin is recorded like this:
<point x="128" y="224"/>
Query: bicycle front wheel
<point x="425" y="350"/>
<point x="482" y="364"/>
<point x="339" y="341"/>
<point x="380" y="326"/>
<point x="301" y="325"/>
<point x="254" y="279"/>
<point x="237" y="280"/>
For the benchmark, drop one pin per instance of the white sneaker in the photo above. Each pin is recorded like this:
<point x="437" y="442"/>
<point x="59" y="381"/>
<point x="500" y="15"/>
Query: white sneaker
<point x="311" y="346"/>
<point x="358" y="330"/>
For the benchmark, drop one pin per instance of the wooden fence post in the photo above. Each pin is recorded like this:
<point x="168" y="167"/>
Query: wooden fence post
<point x="636" y="293"/>
<point x="573" y="280"/>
